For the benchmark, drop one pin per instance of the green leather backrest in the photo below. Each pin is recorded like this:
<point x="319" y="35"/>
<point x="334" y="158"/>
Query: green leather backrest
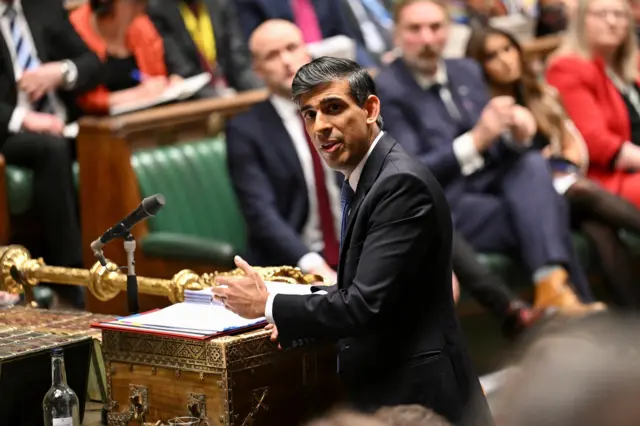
<point x="19" y="189"/>
<point x="194" y="179"/>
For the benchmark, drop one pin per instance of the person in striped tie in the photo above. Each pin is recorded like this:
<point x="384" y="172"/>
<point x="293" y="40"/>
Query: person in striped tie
<point x="44" y="65"/>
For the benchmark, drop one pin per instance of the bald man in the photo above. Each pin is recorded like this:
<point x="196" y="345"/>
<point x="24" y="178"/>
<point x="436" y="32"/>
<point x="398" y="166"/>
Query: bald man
<point x="289" y="197"/>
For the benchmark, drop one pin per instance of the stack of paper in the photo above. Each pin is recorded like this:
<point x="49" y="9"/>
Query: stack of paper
<point x="204" y="296"/>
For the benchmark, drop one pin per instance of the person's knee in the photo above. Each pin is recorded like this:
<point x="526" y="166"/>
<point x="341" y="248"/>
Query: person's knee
<point x="56" y="151"/>
<point x="534" y="162"/>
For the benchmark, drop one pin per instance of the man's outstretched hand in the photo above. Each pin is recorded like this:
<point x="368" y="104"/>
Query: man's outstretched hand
<point x="246" y="295"/>
<point x="274" y="334"/>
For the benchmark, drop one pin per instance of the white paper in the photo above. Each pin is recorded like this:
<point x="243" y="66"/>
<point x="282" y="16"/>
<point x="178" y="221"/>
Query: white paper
<point x="177" y="91"/>
<point x="192" y="317"/>
<point x="337" y="46"/>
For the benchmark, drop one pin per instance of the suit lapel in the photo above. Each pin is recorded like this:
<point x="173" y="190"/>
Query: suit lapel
<point x="370" y="173"/>
<point x="460" y="93"/>
<point x="213" y="7"/>
<point x="7" y="62"/>
<point x="273" y="126"/>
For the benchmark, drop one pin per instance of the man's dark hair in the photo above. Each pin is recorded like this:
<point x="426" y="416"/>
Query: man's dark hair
<point x="326" y="70"/>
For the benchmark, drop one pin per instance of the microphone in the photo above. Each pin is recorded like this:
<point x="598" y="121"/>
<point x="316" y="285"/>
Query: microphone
<point x="150" y="206"/>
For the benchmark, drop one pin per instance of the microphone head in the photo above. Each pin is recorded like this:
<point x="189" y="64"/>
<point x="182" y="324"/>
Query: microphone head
<point x="153" y="204"/>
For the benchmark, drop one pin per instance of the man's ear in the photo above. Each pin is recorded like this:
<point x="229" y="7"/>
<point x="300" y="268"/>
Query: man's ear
<point x="372" y="107"/>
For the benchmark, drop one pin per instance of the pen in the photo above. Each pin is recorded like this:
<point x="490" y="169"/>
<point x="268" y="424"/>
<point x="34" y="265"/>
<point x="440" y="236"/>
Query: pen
<point x="138" y="76"/>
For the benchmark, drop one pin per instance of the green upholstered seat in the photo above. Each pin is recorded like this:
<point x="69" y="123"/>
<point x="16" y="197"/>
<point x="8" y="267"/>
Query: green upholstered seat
<point x="19" y="189"/>
<point x="201" y="219"/>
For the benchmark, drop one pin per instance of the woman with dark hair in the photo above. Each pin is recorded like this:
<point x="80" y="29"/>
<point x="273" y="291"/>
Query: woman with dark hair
<point x="132" y="51"/>
<point x="595" y="211"/>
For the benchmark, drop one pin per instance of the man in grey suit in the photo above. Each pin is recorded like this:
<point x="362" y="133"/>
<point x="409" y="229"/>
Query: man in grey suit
<point x="208" y="34"/>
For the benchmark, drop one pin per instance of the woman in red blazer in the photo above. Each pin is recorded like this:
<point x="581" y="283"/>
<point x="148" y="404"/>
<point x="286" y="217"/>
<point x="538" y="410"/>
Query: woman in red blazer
<point x="132" y="51"/>
<point x="596" y="65"/>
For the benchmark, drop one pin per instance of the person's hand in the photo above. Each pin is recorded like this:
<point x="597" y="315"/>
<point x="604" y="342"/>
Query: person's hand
<point x="324" y="270"/>
<point x="7" y="299"/>
<point x="175" y="79"/>
<point x="496" y="117"/>
<point x="38" y="122"/>
<point x="274" y="334"/>
<point x="455" y="287"/>
<point x="36" y="83"/>
<point x="246" y="295"/>
<point x="523" y="125"/>
<point x="154" y="86"/>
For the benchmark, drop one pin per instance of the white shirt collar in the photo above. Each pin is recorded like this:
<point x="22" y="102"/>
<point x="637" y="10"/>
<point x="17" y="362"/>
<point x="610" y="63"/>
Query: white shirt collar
<point x="284" y="107"/>
<point x="440" y="77"/>
<point x="17" y="5"/>
<point x="354" y="177"/>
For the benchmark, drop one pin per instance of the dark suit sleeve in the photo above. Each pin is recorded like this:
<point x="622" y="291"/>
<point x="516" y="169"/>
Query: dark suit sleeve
<point x="250" y="16"/>
<point x="437" y="155"/>
<point x="6" y="111"/>
<point x="74" y="48"/>
<point x="257" y="198"/>
<point x="239" y="72"/>
<point x="396" y="229"/>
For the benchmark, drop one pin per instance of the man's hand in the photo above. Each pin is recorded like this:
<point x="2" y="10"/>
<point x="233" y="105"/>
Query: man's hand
<point x="245" y="296"/>
<point x="455" y="287"/>
<point x="38" y="122"/>
<point x="274" y="334"/>
<point x="36" y="83"/>
<point x="524" y="125"/>
<point x="496" y="117"/>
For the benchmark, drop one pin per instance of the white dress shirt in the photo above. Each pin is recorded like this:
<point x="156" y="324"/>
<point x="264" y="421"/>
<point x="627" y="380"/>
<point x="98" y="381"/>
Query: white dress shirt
<point x="353" y="178"/>
<point x="311" y="232"/>
<point x="24" y="105"/>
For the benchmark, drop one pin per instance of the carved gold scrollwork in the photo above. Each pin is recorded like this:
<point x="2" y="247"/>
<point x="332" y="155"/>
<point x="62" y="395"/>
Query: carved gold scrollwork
<point x="137" y="411"/>
<point x="259" y="396"/>
<point x="197" y="406"/>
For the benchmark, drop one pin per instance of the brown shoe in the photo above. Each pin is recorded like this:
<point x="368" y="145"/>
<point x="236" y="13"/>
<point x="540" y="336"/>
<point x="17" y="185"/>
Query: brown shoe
<point x="555" y="292"/>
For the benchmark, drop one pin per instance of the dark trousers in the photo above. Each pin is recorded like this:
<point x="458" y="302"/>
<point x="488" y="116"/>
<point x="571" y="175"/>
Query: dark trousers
<point x="513" y="208"/>
<point x="484" y="286"/>
<point x="50" y="158"/>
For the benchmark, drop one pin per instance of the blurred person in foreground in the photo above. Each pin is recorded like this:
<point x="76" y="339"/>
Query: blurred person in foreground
<point x="580" y="373"/>
<point x="391" y="311"/>
<point x="132" y="51"/>
<point x="410" y="415"/>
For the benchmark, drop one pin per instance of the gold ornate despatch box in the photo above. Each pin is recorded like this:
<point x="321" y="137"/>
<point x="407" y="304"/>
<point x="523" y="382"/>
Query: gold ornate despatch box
<point x="230" y="380"/>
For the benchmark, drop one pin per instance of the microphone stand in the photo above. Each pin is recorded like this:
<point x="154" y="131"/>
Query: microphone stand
<point x="132" y="279"/>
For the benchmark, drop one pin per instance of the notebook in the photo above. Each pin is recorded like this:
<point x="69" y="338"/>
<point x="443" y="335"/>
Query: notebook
<point x="176" y="92"/>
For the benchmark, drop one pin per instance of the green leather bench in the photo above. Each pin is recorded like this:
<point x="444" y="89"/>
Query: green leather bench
<point x="201" y="220"/>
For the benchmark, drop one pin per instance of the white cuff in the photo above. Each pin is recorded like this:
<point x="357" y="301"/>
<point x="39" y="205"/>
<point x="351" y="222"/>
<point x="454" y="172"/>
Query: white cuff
<point x="268" y="308"/>
<point x="467" y="155"/>
<point x="17" y="118"/>
<point x="310" y="261"/>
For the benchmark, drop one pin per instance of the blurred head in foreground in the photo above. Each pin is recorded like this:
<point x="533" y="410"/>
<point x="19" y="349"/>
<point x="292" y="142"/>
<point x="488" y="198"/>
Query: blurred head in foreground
<point x="410" y="415"/>
<point x="581" y="374"/>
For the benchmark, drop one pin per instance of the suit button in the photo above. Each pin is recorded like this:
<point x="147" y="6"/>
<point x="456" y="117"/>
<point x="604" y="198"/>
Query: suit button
<point x="300" y="342"/>
<point x="294" y="343"/>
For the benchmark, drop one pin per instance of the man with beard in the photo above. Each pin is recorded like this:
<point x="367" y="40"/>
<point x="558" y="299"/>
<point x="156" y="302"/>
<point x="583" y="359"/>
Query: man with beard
<point x="208" y="35"/>
<point x="501" y="194"/>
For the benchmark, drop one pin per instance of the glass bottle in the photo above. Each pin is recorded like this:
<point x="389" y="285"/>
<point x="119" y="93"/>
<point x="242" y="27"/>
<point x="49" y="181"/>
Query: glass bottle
<point x="60" y="404"/>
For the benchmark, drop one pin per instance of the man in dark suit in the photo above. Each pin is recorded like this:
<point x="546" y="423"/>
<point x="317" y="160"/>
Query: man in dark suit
<point x="501" y="194"/>
<point x="289" y="198"/>
<point x="317" y="19"/>
<point x="44" y="66"/>
<point x="392" y="310"/>
<point x="218" y="46"/>
<point x="372" y="23"/>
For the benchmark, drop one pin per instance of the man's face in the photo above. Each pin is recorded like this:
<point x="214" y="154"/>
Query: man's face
<point x="339" y="128"/>
<point x="278" y="56"/>
<point x="421" y="33"/>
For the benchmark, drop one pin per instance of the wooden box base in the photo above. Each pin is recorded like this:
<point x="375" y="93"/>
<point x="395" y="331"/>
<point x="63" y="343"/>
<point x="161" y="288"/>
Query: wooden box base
<point x="233" y="380"/>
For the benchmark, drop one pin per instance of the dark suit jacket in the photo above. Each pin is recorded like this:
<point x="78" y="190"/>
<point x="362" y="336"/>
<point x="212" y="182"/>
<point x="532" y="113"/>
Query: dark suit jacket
<point x="55" y="40"/>
<point x="331" y="17"/>
<point x="269" y="182"/>
<point x="352" y="19"/>
<point x="419" y="119"/>
<point x="233" y="54"/>
<point x="392" y="309"/>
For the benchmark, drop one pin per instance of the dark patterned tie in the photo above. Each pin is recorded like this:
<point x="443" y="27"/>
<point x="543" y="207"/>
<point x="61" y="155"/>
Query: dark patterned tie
<point x="346" y="195"/>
